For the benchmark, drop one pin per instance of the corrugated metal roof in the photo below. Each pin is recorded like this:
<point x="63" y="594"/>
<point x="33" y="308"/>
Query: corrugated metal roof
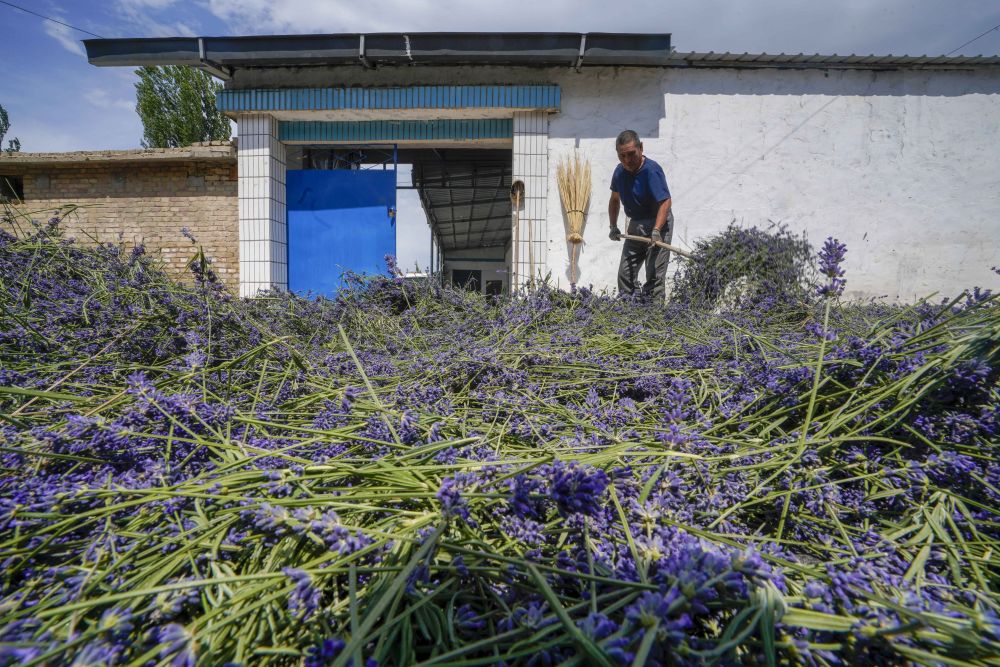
<point x="818" y="61"/>
<point x="466" y="195"/>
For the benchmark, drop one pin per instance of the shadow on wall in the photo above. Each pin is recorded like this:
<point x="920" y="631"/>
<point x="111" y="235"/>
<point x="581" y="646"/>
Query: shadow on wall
<point x="599" y="104"/>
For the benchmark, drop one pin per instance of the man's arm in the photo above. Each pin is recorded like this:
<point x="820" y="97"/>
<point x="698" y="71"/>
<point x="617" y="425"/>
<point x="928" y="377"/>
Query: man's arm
<point x="661" y="221"/>
<point x="661" y="191"/>
<point x="614" y="206"/>
<point x="661" y="215"/>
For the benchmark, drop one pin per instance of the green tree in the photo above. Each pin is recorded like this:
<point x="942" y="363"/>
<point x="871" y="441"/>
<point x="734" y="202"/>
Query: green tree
<point x="13" y="145"/>
<point x="177" y="107"/>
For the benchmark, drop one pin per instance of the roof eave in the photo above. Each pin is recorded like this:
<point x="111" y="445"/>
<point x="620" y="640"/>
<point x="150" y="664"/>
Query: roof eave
<point x="428" y="49"/>
<point x="818" y="61"/>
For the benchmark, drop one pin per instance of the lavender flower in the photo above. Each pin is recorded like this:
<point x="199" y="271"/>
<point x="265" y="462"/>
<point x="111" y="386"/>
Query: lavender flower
<point x="830" y="258"/>
<point x="452" y="502"/>
<point x="324" y="653"/>
<point x="576" y="488"/>
<point x="122" y="470"/>
<point x="467" y="620"/>
<point x="305" y="597"/>
<point x="180" y="648"/>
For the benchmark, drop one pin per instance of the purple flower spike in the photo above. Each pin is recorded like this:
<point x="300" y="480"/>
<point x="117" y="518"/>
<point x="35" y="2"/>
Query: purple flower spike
<point x="576" y="488"/>
<point x="324" y="653"/>
<point x="830" y="258"/>
<point x="180" y="644"/>
<point x="392" y="268"/>
<point x="452" y="502"/>
<point x="305" y="598"/>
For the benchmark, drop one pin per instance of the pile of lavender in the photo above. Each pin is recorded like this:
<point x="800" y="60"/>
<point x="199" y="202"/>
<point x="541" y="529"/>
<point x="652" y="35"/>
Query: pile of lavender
<point x="414" y="475"/>
<point x="746" y="263"/>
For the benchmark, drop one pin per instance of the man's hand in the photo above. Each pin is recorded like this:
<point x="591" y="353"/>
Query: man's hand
<point x="616" y="234"/>
<point x="655" y="237"/>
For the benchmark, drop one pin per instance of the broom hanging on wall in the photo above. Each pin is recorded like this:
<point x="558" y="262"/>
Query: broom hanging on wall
<point x="573" y="175"/>
<point x="516" y="197"/>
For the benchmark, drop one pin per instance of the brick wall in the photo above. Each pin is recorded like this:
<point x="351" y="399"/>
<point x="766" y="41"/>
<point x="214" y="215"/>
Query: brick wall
<point x="144" y="201"/>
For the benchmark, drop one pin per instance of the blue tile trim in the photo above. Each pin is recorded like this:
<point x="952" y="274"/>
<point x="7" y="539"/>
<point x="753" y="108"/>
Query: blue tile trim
<point x="534" y="97"/>
<point x="396" y="130"/>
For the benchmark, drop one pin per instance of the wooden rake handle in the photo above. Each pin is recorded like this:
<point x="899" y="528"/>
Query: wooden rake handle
<point x="665" y="246"/>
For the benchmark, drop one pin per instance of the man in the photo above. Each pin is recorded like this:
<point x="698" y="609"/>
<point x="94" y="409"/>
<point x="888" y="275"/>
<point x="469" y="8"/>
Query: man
<point x="640" y="185"/>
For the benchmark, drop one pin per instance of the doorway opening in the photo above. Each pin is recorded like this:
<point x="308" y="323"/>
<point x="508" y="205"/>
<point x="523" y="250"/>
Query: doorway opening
<point x="442" y="212"/>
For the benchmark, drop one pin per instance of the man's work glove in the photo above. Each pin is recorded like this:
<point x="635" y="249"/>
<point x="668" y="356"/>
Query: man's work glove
<point x="656" y="237"/>
<point x="616" y="234"/>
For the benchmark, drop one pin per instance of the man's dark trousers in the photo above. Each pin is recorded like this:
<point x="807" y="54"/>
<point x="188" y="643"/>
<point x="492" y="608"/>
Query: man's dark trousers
<point x="634" y="253"/>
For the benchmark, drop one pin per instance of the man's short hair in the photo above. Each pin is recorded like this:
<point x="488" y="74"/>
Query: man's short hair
<point x="628" y="137"/>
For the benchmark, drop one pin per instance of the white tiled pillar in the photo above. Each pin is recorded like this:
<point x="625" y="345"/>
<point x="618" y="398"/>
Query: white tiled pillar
<point x="263" y="222"/>
<point x="531" y="165"/>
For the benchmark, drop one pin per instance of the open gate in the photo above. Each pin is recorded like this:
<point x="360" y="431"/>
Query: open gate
<point x="341" y="217"/>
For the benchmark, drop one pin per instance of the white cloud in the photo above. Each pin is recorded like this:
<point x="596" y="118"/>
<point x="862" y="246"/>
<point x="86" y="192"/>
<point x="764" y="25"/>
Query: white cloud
<point x="103" y="99"/>
<point x="66" y="38"/>
<point x="156" y="18"/>
<point x="147" y="4"/>
<point x="178" y="28"/>
<point x="306" y="16"/>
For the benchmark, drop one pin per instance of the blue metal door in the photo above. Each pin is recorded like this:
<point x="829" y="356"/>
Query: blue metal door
<point x="338" y="220"/>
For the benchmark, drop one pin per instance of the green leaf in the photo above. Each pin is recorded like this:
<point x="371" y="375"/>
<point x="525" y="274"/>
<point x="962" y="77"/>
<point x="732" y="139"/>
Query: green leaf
<point x="817" y="620"/>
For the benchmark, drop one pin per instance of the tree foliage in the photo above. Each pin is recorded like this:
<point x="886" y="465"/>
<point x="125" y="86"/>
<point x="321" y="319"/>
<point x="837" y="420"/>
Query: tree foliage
<point x="177" y="107"/>
<point x="13" y="145"/>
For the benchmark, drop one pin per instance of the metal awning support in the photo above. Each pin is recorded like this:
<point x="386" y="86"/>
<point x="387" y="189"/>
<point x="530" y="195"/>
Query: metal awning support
<point x="216" y="70"/>
<point x="583" y="49"/>
<point x="361" y="54"/>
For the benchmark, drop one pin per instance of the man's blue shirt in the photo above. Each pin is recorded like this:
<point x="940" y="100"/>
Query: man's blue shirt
<point x="641" y="192"/>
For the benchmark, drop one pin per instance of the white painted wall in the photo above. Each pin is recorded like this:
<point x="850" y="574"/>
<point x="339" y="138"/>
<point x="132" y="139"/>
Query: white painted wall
<point x="903" y="167"/>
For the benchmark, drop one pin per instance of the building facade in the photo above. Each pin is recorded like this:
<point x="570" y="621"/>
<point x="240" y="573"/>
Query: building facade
<point x="892" y="155"/>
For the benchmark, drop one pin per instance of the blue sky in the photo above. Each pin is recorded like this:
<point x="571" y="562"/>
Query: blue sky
<point x="58" y="102"/>
<point x="55" y="100"/>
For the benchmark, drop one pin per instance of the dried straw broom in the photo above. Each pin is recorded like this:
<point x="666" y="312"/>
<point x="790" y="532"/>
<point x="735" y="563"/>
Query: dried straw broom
<point x="573" y="175"/>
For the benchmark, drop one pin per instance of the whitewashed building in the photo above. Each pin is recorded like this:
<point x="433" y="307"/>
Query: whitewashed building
<point x="895" y="156"/>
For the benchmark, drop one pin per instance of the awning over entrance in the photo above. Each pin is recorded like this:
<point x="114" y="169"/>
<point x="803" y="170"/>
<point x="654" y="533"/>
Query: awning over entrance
<point x="443" y="114"/>
<point x="466" y="194"/>
<point x="402" y="101"/>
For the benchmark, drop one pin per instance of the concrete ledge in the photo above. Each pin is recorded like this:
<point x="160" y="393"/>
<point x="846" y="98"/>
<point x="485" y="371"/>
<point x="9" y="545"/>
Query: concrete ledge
<point x="204" y="151"/>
